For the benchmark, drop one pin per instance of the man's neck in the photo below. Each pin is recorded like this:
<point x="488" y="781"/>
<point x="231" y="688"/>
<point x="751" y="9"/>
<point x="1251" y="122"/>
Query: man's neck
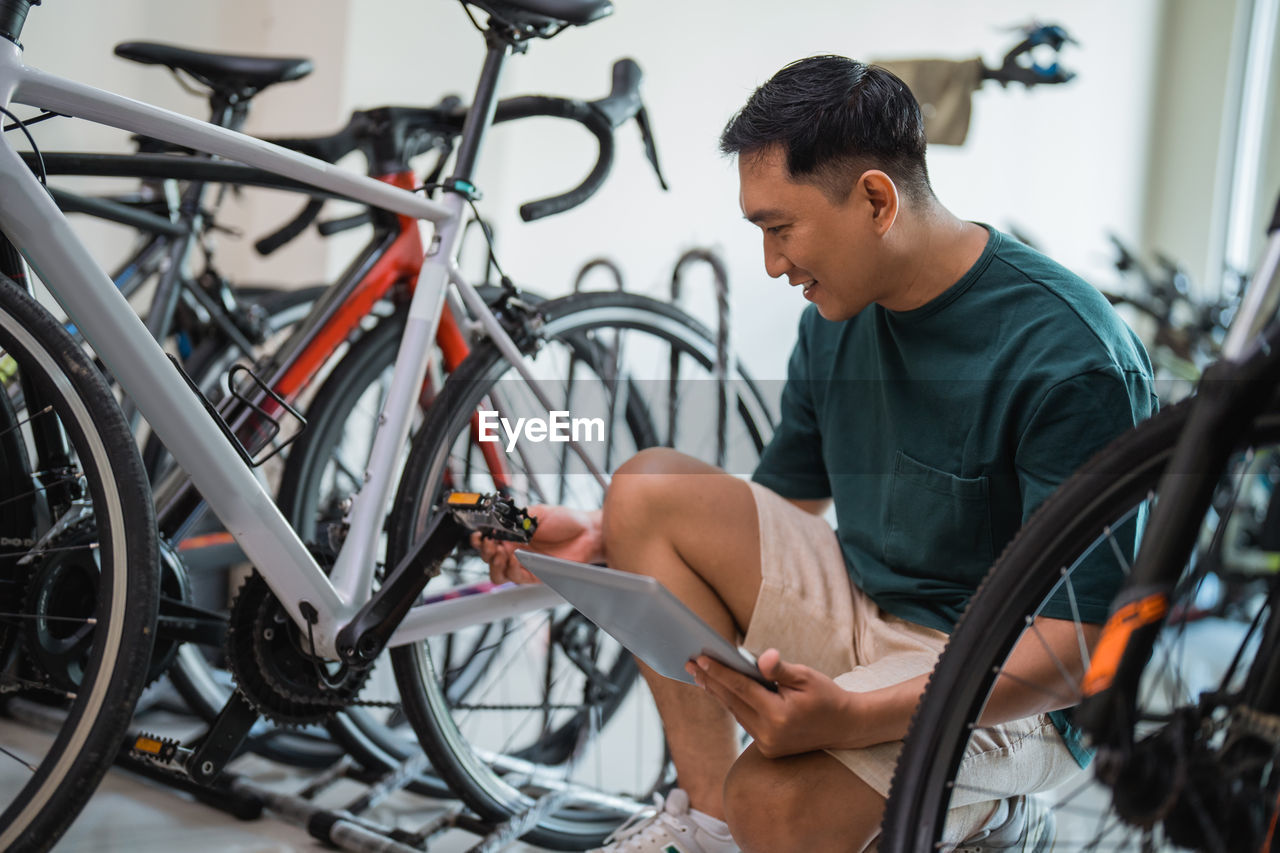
<point x="935" y="250"/>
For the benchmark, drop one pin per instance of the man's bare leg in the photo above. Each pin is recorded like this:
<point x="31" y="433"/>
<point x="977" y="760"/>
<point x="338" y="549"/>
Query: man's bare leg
<point x="807" y="802"/>
<point x="694" y="528"/>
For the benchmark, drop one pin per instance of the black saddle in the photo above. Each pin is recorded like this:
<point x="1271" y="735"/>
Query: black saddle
<point x="235" y="77"/>
<point x="544" y="17"/>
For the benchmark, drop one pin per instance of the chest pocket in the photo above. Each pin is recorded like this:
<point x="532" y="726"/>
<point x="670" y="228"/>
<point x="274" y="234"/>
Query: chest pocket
<point x="937" y="522"/>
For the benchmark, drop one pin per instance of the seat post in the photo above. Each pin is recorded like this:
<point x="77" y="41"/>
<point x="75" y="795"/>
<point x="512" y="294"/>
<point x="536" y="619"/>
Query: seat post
<point x="480" y="116"/>
<point x="13" y="14"/>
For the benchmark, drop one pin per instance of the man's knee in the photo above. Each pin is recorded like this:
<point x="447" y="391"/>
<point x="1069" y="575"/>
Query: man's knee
<point x="804" y="802"/>
<point x="643" y="490"/>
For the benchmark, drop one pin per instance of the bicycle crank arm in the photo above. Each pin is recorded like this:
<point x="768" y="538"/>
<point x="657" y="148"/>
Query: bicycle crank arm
<point x="363" y="638"/>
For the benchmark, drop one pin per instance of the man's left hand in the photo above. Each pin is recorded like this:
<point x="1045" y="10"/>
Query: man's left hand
<point x="809" y="711"/>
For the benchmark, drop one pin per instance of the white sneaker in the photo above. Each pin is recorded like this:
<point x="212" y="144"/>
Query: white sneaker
<point x="1025" y="824"/>
<point x="671" y="829"/>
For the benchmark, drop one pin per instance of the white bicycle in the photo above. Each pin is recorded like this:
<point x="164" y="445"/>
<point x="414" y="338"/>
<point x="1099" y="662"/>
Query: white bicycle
<point x="510" y="706"/>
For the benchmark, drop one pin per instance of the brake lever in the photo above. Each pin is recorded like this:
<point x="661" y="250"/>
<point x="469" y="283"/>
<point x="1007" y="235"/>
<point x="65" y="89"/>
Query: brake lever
<point x="650" y="147"/>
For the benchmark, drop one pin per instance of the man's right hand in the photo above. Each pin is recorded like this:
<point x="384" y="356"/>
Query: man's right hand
<point x="571" y="534"/>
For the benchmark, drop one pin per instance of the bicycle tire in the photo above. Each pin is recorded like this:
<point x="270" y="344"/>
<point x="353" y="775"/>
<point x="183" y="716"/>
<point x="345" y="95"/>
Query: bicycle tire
<point x="1078" y="517"/>
<point x="118" y="585"/>
<point x="593" y="330"/>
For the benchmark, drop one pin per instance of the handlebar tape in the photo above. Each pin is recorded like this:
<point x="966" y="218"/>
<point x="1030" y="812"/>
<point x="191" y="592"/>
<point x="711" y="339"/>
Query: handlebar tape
<point x="291" y="229"/>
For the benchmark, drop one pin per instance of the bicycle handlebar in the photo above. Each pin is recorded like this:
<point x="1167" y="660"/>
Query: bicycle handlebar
<point x="390" y="136"/>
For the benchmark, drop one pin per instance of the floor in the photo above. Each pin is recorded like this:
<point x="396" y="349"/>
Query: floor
<point x="132" y="813"/>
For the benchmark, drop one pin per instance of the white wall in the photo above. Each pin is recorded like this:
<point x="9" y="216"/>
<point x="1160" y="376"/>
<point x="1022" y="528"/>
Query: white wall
<point x="1063" y="163"/>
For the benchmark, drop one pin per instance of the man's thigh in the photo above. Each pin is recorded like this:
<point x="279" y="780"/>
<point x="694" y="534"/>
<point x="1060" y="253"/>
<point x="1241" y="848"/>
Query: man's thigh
<point x="805" y="606"/>
<point x="688" y="524"/>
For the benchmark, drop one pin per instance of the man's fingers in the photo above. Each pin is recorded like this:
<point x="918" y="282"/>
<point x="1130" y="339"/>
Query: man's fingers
<point x="774" y="668"/>
<point x="742" y="695"/>
<point x="711" y="681"/>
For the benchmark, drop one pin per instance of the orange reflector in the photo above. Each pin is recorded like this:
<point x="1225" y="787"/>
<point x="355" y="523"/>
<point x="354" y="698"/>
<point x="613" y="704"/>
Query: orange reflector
<point x="146" y="744"/>
<point x="207" y="540"/>
<point x="1115" y="639"/>
<point x="464" y="498"/>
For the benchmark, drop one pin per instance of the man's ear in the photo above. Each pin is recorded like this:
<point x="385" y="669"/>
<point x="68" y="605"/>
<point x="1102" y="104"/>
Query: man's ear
<point x="881" y="195"/>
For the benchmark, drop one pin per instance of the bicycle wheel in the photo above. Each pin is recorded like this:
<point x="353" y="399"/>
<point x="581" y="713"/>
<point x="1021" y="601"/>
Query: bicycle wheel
<point x="544" y="704"/>
<point x="78" y="575"/>
<point x="1188" y="787"/>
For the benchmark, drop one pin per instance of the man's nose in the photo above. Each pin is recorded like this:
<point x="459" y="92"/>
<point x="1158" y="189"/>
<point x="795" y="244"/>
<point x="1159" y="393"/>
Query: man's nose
<point x="775" y="263"/>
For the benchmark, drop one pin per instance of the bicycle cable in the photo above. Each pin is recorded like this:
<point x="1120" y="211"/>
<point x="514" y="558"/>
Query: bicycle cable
<point x="487" y="231"/>
<point x="185" y="86"/>
<point x="519" y="48"/>
<point x="19" y="124"/>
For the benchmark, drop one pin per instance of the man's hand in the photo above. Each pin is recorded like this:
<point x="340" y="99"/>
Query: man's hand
<point x="571" y="534"/>
<point x="809" y="711"/>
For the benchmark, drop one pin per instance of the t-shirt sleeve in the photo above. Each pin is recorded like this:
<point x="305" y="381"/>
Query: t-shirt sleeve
<point x="1075" y="419"/>
<point x="792" y="463"/>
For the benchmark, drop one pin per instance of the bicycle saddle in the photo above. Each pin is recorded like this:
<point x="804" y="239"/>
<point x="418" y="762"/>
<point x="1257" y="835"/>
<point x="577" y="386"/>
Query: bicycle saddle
<point x="538" y="14"/>
<point x="226" y="73"/>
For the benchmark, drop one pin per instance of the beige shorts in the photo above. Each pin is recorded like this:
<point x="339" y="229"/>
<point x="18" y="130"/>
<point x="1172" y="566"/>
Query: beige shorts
<point x="807" y="605"/>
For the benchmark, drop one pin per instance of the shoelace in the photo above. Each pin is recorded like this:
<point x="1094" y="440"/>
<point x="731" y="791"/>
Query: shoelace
<point x="641" y="822"/>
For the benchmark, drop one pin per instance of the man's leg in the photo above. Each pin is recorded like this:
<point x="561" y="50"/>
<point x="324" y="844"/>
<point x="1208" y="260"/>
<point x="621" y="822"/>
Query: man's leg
<point x="693" y="527"/>
<point x="807" y="802"/>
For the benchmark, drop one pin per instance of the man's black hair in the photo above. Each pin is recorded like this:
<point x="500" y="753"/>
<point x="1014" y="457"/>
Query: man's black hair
<point x="835" y="118"/>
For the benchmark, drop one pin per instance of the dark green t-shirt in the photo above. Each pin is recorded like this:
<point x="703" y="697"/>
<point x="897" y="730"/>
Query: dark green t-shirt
<point x="939" y="430"/>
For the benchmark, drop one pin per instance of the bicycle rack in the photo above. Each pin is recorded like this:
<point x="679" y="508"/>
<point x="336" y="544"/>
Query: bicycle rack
<point x="348" y="827"/>
<point x="610" y="370"/>
<point x="721" y="369"/>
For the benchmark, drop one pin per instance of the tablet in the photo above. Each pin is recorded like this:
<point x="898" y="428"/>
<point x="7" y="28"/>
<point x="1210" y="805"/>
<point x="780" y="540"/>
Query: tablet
<point x="642" y="615"/>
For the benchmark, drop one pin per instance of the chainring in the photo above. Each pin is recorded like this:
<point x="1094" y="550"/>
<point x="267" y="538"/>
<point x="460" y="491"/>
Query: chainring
<point x="270" y="660"/>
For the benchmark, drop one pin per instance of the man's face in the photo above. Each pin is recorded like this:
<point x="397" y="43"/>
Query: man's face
<point x="828" y="248"/>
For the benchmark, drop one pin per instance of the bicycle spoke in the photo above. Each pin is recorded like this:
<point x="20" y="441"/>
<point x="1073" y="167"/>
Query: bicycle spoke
<point x="1039" y="688"/>
<point x="88" y="546"/>
<point x="1115" y="549"/>
<point x="18" y="759"/>
<point x="1075" y="617"/>
<point x="46" y="410"/>
<point x="14" y="616"/>
<point x="1067" y="678"/>
<point x="26" y="495"/>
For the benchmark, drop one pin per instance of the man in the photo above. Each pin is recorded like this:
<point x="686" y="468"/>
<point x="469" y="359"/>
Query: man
<point x="944" y="382"/>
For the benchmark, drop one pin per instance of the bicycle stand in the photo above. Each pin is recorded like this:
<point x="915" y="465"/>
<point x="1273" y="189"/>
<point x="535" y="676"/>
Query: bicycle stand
<point x="347" y="827"/>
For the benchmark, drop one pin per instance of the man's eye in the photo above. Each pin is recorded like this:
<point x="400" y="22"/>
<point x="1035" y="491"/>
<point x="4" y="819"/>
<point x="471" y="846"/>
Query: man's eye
<point x="776" y="229"/>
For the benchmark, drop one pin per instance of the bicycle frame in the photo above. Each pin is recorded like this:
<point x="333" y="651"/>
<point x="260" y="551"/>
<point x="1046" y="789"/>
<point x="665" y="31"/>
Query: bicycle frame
<point x="39" y="230"/>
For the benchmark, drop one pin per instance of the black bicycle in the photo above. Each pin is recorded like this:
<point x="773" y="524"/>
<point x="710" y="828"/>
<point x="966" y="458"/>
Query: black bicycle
<point x="1178" y="696"/>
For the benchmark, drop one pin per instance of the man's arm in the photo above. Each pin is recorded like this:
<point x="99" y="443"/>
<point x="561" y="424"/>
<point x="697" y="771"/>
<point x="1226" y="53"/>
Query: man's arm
<point x="811" y="711"/>
<point x="818" y="506"/>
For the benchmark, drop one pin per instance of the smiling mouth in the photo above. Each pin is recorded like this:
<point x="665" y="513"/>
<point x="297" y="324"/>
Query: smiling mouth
<point x="807" y="285"/>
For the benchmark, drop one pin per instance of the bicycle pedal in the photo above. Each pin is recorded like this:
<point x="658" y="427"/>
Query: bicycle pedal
<point x="160" y="750"/>
<point x="494" y="516"/>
